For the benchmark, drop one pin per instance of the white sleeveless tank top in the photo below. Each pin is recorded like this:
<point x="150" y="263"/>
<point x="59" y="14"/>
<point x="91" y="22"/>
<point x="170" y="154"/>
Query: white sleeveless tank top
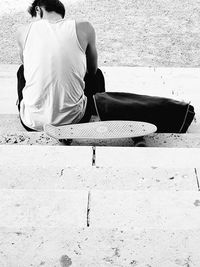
<point x="54" y="70"/>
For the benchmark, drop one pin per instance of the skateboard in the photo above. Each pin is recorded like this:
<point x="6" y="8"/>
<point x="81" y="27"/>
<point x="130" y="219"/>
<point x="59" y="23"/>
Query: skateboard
<point x="135" y="130"/>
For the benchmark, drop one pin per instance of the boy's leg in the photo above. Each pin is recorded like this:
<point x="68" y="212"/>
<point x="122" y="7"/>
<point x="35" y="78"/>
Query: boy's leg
<point x="94" y="83"/>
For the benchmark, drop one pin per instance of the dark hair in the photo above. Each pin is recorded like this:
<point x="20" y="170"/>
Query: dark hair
<point x="49" y="5"/>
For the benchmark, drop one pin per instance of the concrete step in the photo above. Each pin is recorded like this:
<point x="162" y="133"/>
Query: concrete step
<point x="12" y="132"/>
<point x="125" y="209"/>
<point x="145" y="157"/>
<point x="53" y="215"/>
<point x="10" y="123"/>
<point x="155" y="140"/>
<point x="104" y="156"/>
<point x="74" y="168"/>
<point x="39" y="208"/>
<point x="128" y="209"/>
<point x="145" y="210"/>
<point x="127" y="227"/>
<point x="64" y="247"/>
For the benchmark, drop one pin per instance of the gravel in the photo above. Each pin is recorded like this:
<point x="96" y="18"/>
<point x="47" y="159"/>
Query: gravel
<point x="152" y="33"/>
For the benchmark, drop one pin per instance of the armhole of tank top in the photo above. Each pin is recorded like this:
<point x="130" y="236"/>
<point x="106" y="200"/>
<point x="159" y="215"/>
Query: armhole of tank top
<point x="77" y="40"/>
<point x="30" y="26"/>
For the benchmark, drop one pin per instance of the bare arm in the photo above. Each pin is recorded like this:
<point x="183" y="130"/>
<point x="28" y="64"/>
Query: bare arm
<point x="87" y="39"/>
<point x="91" y="52"/>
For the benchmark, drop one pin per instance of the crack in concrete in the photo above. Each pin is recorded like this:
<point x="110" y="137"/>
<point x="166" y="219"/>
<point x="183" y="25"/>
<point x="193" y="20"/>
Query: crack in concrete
<point x="93" y="156"/>
<point x="88" y="208"/>
<point x="197" y="178"/>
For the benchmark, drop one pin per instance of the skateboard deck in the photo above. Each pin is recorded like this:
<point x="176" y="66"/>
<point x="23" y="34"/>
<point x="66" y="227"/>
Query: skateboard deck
<point x="101" y="130"/>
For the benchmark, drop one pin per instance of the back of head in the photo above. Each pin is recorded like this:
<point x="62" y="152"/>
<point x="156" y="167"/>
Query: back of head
<point x="48" y="5"/>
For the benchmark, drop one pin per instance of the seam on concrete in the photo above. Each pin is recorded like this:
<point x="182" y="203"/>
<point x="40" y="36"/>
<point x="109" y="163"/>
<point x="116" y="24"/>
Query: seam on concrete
<point x="88" y="209"/>
<point x="94" y="156"/>
<point x="197" y="178"/>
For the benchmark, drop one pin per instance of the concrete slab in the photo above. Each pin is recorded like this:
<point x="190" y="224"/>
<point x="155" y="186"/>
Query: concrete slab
<point x="146" y="178"/>
<point x="149" y="80"/>
<point x="98" y="247"/>
<point x="36" y="208"/>
<point x="35" y="156"/>
<point x="145" y="209"/>
<point x="49" y="167"/>
<point x="147" y="157"/>
<point x="190" y="140"/>
<point x="48" y="177"/>
<point x="10" y="123"/>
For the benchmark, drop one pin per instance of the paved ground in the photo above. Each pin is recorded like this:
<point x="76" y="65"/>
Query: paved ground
<point x="139" y="212"/>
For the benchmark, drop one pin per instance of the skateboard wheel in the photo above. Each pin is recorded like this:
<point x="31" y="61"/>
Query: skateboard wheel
<point x="66" y="142"/>
<point x="139" y="142"/>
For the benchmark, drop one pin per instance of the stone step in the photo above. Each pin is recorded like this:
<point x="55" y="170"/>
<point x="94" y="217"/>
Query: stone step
<point x="74" y="168"/>
<point x="12" y="132"/>
<point x="144" y="157"/>
<point x="65" y="177"/>
<point x="46" y="222"/>
<point x="43" y="208"/>
<point x="64" y="247"/>
<point x="145" y="209"/>
<point x="126" y="209"/>
<point x="154" y="140"/>
<point x="10" y="123"/>
<point x="104" y="156"/>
